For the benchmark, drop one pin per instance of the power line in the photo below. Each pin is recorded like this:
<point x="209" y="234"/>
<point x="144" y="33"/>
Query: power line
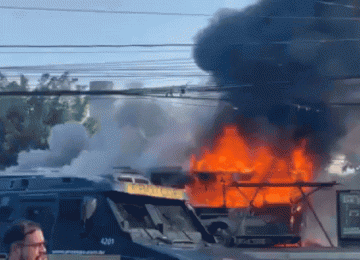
<point x="90" y="71"/>
<point x="177" y="67"/>
<point x="65" y="93"/>
<point x="119" y="92"/>
<point x="103" y="94"/>
<point x="87" y="52"/>
<point x="165" y="100"/>
<point x="90" y="93"/>
<point x="164" y="61"/>
<point x="97" y="11"/>
<point x="109" y="71"/>
<point x="178" y="44"/>
<point x="100" y="45"/>
<point x="158" y="63"/>
<point x="140" y="76"/>
<point x="182" y="14"/>
<point x="148" y="97"/>
<point x="175" y="13"/>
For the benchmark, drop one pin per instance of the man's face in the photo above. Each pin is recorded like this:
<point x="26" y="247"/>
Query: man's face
<point x="33" y="247"/>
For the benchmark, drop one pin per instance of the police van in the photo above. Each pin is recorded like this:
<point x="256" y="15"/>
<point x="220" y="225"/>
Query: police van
<point x="101" y="217"/>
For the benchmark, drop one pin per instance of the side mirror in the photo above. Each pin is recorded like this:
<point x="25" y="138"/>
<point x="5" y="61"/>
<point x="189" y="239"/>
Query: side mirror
<point x="88" y="208"/>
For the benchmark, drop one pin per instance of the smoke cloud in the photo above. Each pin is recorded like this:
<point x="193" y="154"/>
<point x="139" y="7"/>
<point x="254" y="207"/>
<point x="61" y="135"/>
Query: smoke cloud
<point x="141" y="133"/>
<point x="287" y="52"/>
<point x="282" y="57"/>
<point x="65" y="143"/>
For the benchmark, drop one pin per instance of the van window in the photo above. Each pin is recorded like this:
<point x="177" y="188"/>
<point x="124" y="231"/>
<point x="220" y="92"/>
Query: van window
<point x="141" y="181"/>
<point x="123" y="179"/>
<point x="42" y="215"/>
<point x="70" y="210"/>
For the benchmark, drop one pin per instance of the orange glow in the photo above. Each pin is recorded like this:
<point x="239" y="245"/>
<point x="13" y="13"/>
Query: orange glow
<point x="232" y="156"/>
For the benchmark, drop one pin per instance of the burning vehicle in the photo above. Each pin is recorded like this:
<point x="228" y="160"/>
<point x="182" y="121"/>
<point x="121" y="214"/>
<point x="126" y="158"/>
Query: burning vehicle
<point x="249" y="197"/>
<point x="280" y="66"/>
<point x="266" y="214"/>
<point x="245" y="197"/>
<point x="260" y="158"/>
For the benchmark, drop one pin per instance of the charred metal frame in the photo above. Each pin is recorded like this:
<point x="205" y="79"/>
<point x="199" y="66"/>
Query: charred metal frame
<point x="299" y="185"/>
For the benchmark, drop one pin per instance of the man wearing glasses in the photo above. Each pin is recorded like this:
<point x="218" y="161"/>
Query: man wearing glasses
<point x="25" y="241"/>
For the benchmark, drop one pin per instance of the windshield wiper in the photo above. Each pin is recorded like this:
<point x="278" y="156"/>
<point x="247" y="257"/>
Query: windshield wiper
<point x="165" y="240"/>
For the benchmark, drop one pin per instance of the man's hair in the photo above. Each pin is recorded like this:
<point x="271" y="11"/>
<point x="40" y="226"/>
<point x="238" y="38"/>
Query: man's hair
<point x="19" y="231"/>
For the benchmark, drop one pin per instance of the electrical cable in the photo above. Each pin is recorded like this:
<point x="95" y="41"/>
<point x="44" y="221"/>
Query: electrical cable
<point x="164" y="61"/>
<point x="151" y="98"/>
<point x="179" y="44"/>
<point x="85" y="52"/>
<point x="97" y="11"/>
<point x="138" y="76"/>
<point x="134" y="96"/>
<point x="99" y="45"/>
<point x="172" y="13"/>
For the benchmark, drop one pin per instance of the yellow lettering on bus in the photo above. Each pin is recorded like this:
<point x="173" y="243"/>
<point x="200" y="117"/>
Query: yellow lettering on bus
<point x="151" y="190"/>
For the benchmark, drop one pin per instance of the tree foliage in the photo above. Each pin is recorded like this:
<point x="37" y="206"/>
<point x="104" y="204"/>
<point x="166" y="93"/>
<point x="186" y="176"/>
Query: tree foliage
<point x="26" y="121"/>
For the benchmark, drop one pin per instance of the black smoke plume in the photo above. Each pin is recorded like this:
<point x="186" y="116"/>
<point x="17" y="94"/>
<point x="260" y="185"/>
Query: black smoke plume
<point x="280" y="57"/>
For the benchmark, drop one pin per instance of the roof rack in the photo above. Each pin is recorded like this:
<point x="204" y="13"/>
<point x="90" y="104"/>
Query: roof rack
<point x="304" y="196"/>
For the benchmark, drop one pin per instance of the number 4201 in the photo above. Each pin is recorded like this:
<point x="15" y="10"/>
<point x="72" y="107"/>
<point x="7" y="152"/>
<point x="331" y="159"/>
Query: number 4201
<point x="107" y="241"/>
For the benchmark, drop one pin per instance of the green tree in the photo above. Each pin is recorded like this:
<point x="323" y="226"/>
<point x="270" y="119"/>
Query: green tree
<point x="26" y="122"/>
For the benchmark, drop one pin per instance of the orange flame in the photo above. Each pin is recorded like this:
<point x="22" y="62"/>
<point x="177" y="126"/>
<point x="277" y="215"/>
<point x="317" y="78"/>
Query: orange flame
<point x="233" y="160"/>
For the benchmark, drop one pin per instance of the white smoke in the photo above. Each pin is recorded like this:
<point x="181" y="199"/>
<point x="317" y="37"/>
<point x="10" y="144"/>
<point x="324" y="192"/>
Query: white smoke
<point x="324" y="205"/>
<point x="65" y="143"/>
<point x="342" y="169"/>
<point x="135" y="132"/>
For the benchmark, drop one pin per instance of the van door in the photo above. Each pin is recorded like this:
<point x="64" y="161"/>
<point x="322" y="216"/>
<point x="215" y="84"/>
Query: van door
<point x="42" y="209"/>
<point x="98" y="235"/>
<point x="69" y="225"/>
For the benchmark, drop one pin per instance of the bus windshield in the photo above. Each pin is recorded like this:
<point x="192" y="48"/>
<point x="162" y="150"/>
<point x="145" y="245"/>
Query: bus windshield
<point x="149" y="212"/>
<point x="136" y="215"/>
<point x="175" y="218"/>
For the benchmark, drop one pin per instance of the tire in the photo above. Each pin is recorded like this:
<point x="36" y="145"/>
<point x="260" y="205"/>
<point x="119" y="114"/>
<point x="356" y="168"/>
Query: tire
<point x="224" y="237"/>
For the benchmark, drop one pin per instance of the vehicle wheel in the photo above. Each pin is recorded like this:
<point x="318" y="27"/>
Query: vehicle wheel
<point x="224" y="237"/>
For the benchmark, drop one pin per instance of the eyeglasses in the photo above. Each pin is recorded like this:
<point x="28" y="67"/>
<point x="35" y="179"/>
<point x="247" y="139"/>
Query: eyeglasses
<point x="36" y="244"/>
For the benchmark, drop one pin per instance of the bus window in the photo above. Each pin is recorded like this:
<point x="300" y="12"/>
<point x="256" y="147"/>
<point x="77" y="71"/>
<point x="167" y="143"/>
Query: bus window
<point x="142" y="181"/>
<point x="70" y="210"/>
<point x="124" y="179"/>
<point x="42" y="215"/>
<point x="136" y="215"/>
<point x="175" y="218"/>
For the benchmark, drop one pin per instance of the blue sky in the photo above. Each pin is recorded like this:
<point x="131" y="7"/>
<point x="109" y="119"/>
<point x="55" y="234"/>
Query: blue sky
<point x="30" y="27"/>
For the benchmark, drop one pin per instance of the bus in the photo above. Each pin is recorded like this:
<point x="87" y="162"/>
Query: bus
<point x="82" y="216"/>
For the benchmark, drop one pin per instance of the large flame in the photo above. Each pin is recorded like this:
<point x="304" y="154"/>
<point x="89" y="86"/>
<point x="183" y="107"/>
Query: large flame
<point x="232" y="159"/>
